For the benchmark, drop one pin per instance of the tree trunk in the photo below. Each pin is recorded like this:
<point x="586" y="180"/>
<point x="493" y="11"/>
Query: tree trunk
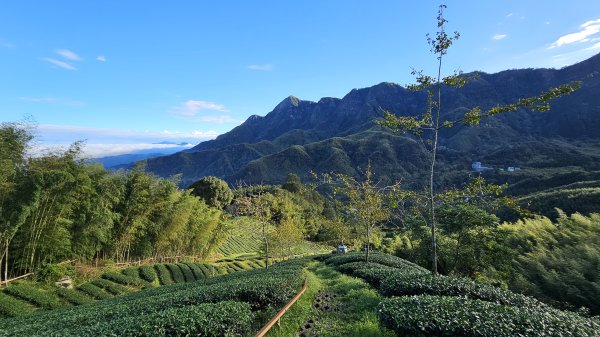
<point x="368" y="244"/>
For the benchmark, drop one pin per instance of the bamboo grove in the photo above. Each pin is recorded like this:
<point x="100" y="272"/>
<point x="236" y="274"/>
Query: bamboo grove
<point x="55" y="207"/>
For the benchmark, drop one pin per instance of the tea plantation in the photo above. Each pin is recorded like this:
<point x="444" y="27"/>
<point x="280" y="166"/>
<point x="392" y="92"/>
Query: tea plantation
<point x="402" y="298"/>
<point x="23" y="298"/>
<point x="220" y="306"/>
<point x="418" y="304"/>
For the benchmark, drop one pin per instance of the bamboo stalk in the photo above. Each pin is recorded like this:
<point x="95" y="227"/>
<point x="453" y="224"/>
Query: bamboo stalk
<point x="16" y="278"/>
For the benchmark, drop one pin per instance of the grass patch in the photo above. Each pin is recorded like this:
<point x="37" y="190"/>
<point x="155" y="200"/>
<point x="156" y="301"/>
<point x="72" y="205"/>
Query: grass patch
<point x="300" y="311"/>
<point x="356" y="304"/>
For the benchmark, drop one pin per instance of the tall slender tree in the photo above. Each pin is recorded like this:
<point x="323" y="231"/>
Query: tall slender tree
<point x="428" y="125"/>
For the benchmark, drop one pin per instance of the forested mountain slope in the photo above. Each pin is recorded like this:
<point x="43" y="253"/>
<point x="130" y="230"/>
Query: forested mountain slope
<point x="340" y="135"/>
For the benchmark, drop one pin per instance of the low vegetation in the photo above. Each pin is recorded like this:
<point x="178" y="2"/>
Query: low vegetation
<point x="220" y="306"/>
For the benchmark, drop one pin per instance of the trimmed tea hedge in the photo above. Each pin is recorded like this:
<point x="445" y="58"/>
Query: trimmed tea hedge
<point x="73" y="296"/>
<point x="94" y="291"/>
<point x="458" y="316"/>
<point x="176" y="273"/>
<point x="208" y="319"/>
<point x="148" y="273"/>
<point x="164" y="275"/>
<point x="12" y="307"/>
<point x="132" y="272"/>
<point x="111" y="287"/>
<point x="35" y="296"/>
<point x="376" y="257"/>
<point x="198" y="274"/>
<point x="187" y="272"/>
<point x="170" y="310"/>
<point x="398" y="284"/>
<point x="126" y="280"/>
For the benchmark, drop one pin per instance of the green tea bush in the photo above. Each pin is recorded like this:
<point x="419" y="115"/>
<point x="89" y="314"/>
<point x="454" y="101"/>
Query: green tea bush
<point x="12" y="307"/>
<point x="176" y="273"/>
<point x="40" y="298"/>
<point x="227" y="318"/>
<point x="459" y="316"/>
<point x="198" y="274"/>
<point x="373" y="273"/>
<point x="381" y="258"/>
<point x="204" y="269"/>
<point x="187" y="272"/>
<point x="111" y="287"/>
<point x="73" y="296"/>
<point x="399" y="284"/>
<point x="95" y="291"/>
<point x="234" y="266"/>
<point x="126" y="280"/>
<point x="125" y="314"/>
<point x="132" y="272"/>
<point x="243" y="265"/>
<point x="148" y="273"/>
<point x="164" y="275"/>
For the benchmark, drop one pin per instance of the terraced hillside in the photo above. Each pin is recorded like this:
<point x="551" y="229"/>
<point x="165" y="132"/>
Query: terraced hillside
<point x="226" y="305"/>
<point x="345" y="296"/>
<point x="25" y="297"/>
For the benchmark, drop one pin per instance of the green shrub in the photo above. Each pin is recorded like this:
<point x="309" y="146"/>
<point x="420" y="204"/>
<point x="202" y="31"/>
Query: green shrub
<point x="234" y="266"/>
<point x="187" y="272"/>
<point x="111" y="287"/>
<point x="195" y="268"/>
<point x="261" y="289"/>
<point x="399" y="284"/>
<point x="243" y="265"/>
<point x="212" y="320"/>
<point x="126" y="280"/>
<point x="94" y="291"/>
<point x="132" y="272"/>
<point x="53" y="272"/>
<point x="458" y="316"/>
<point x="38" y="297"/>
<point x="176" y="273"/>
<point x="374" y="273"/>
<point x="208" y="270"/>
<point x="376" y="257"/>
<point x="73" y="296"/>
<point x="12" y="307"/>
<point x="148" y="273"/>
<point x="164" y="275"/>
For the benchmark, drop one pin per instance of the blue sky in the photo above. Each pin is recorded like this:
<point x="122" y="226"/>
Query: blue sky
<point x="126" y="74"/>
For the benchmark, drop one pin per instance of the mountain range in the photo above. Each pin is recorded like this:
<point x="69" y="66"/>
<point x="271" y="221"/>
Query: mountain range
<point x="340" y="135"/>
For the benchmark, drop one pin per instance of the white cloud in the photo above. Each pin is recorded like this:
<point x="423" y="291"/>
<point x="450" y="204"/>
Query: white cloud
<point x="68" y="54"/>
<point x="594" y="47"/>
<point x="221" y="119"/>
<point x="53" y="100"/>
<point x="191" y="108"/>
<point x="101" y="58"/>
<point x="509" y="15"/>
<point x="60" y="64"/>
<point x="260" y="67"/>
<point x="499" y="37"/>
<point x="94" y="150"/>
<point x="72" y="133"/>
<point x="588" y="29"/>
